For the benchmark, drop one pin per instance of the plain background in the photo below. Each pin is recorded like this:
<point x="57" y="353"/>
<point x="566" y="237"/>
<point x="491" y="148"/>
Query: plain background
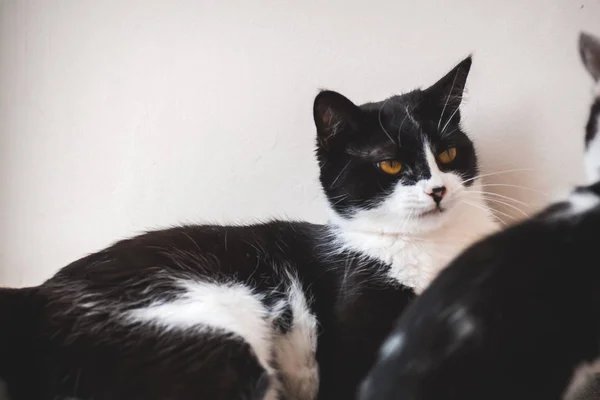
<point x="122" y="116"/>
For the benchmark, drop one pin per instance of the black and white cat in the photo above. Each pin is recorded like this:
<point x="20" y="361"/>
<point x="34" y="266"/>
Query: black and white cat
<point x="516" y="314"/>
<point x="280" y="310"/>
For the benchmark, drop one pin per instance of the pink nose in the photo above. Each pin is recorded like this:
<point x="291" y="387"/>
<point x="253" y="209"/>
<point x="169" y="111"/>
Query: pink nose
<point x="437" y="194"/>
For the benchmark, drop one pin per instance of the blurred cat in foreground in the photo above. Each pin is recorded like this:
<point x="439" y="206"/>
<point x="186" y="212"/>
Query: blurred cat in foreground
<point x="516" y="316"/>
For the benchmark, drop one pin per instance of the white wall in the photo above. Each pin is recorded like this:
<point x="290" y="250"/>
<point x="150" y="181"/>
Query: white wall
<point x="120" y="116"/>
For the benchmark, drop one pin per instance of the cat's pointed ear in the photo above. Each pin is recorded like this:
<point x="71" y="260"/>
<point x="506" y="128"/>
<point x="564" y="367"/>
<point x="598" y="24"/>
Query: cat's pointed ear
<point x="589" y="49"/>
<point x="448" y="91"/>
<point x="333" y="114"/>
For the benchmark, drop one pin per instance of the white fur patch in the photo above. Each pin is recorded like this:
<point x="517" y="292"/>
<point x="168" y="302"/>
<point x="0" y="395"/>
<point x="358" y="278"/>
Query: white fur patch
<point x="462" y="323"/>
<point x="235" y="309"/>
<point x="392" y="345"/>
<point x="232" y="308"/>
<point x="582" y="202"/>
<point x="416" y="244"/>
<point x="296" y="351"/>
<point x="437" y="176"/>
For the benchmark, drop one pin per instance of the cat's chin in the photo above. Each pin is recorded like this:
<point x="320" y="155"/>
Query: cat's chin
<point x="413" y="222"/>
<point x="431" y="213"/>
<point x="431" y="219"/>
<point x="428" y="221"/>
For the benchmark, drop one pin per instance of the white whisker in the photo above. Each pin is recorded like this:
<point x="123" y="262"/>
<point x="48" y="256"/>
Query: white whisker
<point x="381" y="123"/>
<point x="507" y="205"/>
<point x="508" y="164"/>
<point x="340" y="174"/>
<point x="448" y="134"/>
<point x="516" y="186"/>
<point x="487" y="212"/>
<point x="447" y="122"/>
<point x="496" y="173"/>
<point x="499" y="195"/>
<point x="402" y="124"/>
<point x="339" y="200"/>
<point x="447" y="98"/>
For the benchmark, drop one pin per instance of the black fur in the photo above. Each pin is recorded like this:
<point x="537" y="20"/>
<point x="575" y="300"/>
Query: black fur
<point x="67" y="337"/>
<point x="48" y="341"/>
<point x="510" y="318"/>
<point x="591" y="128"/>
<point x="530" y="295"/>
<point x="589" y="50"/>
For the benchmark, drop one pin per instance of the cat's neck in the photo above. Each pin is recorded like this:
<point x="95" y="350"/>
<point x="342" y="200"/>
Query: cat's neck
<point x="416" y="258"/>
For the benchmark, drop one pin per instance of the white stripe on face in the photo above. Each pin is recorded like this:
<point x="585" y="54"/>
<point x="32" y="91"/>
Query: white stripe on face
<point x="437" y="178"/>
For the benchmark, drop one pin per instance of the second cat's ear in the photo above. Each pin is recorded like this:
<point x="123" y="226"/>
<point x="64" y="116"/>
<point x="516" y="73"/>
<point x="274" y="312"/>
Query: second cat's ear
<point x="589" y="49"/>
<point x="333" y="114"/>
<point x="448" y="91"/>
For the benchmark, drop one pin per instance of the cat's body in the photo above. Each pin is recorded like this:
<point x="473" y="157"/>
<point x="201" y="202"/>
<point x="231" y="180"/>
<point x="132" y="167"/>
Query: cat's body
<point x="276" y="285"/>
<point x="279" y="310"/>
<point x="517" y="314"/>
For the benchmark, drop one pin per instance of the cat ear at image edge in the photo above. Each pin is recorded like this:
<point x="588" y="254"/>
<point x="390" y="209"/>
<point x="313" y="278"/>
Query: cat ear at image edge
<point x="589" y="50"/>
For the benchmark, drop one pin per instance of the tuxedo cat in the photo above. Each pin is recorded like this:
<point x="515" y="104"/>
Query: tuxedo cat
<point x="279" y="310"/>
<point x="516" y="314"/>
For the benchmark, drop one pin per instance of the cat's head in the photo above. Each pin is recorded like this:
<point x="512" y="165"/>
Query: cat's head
<point x="589" y="48"/>
<point x="399" y="165"/>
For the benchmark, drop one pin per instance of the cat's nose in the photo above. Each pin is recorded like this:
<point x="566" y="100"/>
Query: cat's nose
<point x="437" y="194"/>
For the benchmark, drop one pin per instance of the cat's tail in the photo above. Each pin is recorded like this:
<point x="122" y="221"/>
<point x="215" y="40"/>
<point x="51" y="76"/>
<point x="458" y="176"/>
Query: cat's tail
<point x="20" y="315"/>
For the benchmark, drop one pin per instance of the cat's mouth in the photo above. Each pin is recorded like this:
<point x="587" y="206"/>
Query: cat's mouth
<point x="432" y="212"/>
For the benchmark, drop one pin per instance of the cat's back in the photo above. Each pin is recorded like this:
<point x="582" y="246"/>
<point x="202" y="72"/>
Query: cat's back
<point x="212" y="251"/>
<point x="213" y="292"/>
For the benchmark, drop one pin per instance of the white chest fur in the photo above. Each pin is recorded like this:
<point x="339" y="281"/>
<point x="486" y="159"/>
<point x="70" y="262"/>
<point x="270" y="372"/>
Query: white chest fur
<point x="416" y="259"/>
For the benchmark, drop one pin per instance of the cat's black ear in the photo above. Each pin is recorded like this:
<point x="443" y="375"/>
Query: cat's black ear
<point x="448" y="91"/>
<point x="589" y="49"/>
<point x="333" y="114"/>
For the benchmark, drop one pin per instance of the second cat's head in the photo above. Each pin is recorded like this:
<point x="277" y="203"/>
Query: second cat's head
<point x="399" y="165"/>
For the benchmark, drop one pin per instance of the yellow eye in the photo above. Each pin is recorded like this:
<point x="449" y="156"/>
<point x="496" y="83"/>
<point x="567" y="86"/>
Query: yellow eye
<point x="390" y="167"/>
<point x="447" y="156"/>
